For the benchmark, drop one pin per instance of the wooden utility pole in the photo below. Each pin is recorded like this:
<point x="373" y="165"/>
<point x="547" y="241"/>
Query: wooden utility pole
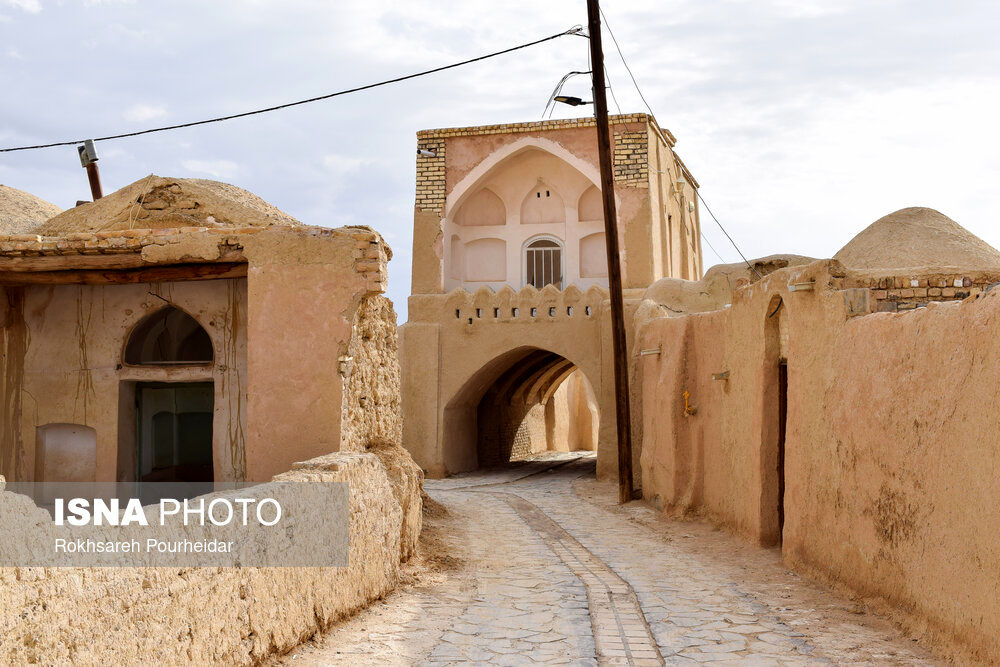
<point x="623" y="414"/>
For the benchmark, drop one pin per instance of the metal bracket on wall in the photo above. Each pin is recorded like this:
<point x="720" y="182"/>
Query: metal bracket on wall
<point x="689" y="410"/>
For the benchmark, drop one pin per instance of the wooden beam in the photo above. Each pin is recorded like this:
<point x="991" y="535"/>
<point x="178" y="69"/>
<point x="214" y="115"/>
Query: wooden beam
<point x="123" y="260"/>
<point x="153" y="274"/>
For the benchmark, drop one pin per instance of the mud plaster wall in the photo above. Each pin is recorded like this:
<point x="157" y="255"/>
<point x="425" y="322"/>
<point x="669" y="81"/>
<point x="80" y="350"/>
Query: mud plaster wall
<point x="302" y="298"/>
<point x="74" y="372"/>
<point x="890" y="454"/>
<point x="205" y="615"/>
<point x="13" y="345"/>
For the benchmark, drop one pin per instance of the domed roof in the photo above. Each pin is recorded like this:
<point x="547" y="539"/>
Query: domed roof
<point x="155" y="202"/>
<point x="917" y="237"/>
<point x="21" y="212"/>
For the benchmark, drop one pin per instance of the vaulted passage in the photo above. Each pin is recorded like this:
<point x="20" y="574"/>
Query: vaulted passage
<point x="533" y="402"/>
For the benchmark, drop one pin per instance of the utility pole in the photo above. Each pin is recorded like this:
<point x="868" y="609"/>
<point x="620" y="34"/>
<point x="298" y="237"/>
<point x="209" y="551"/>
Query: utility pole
<point x="623" y="414"/>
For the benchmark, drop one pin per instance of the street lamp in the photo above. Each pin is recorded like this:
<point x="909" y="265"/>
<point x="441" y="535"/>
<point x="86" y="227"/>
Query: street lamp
<point x="570" y="100"/>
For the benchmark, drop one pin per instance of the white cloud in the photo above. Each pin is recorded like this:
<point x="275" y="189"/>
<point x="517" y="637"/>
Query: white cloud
<point x="344" y="164"/>
<point x="30" y="6"/>
<point x="804" y="120"/>
<point x="213" y="168"/>
<point x="14" y="54"/>
<point x="138" y="113"/>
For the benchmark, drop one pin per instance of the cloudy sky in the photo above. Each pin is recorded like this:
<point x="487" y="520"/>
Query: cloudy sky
<point x="804" y="120"/>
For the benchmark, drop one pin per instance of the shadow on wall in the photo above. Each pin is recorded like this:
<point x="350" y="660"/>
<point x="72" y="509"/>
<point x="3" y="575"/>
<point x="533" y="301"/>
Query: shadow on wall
<point x="525" y="402"/>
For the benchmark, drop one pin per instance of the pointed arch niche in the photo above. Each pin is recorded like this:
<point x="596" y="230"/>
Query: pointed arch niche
<point x="542" y="205"/>
<point x="530" y="187"/>
<point x="483" y="209"/>
<point x="591" y="207"/>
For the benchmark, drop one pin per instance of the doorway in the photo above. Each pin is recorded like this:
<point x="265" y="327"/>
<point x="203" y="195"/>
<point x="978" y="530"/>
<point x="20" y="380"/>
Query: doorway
<point x="174" y="432"/>
<point x="774" y="421"/>
<point x="782" y="421"/>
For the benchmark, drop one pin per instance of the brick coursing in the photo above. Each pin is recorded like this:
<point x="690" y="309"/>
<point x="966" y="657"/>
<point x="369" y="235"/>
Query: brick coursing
<point x="430" y="174"/>
<point x="631" y="151"/>
<point x="893" y="294"/>
<point x="631" y="158"/>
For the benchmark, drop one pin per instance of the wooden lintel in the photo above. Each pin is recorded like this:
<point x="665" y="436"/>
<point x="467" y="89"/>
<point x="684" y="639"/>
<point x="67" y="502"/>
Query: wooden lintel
<point x="152" y="274"/>
<point x="113" y="261"/>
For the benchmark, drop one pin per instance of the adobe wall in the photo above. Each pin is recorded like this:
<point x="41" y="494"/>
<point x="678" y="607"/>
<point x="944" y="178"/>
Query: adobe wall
<point x="74" y="372"/>
<point x="371" y="409"/>
<point x="205" y="615"/>
<point x="456" y="345"/>
<point x="303" y="293"/>
<point x="889" y="450"/>
<point x="282" y="322"/>
<point x="13" y="345"/>
<point x="371" y="412"/>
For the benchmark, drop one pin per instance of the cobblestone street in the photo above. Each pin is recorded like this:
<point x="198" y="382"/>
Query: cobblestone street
<point x="553" y="571"/>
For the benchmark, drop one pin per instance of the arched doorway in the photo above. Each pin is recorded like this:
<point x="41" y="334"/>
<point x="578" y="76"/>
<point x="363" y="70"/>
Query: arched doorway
<point x="173" y="414"/>
<point x="775" y="415"/>
<point x="523" y="404"/>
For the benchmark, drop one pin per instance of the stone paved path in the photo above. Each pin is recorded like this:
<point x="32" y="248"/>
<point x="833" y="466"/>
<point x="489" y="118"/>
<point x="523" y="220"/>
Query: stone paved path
<point x="556" y="573"/>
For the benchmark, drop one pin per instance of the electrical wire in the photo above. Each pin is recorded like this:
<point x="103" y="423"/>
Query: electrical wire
<point x="705" y="239"/>
<point x="612" y="91"/>
<point x="627" y="68"/>
<point x="745" y="261"/>
<point x="650" y="110"/>
<point x="550" y="105"/>
<point x="572" y="31"/>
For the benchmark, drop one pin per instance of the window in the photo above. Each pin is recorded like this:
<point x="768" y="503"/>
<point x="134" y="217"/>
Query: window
<point x="168" y="336"/>
<point x="543" y="263"/>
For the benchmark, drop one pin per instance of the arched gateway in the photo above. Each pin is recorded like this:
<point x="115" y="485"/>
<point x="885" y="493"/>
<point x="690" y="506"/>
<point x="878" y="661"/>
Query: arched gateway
<point x="505" y="352"/>
<point x="524" y="402"/>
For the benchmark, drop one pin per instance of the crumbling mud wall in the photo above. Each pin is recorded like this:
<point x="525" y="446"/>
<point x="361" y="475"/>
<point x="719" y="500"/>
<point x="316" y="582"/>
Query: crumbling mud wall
<point x="371" y="405"/>
<point x="889" y="451"/>
<point x="205" y="615"/>
<point x="371" y="411"/>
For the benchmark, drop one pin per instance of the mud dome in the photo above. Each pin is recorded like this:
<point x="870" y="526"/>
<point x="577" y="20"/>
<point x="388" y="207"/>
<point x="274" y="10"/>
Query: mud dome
<point x="22" y="212"/>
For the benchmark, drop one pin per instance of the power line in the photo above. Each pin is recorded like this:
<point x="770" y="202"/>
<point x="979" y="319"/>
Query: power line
<point x="572" y="31"/>
<point x="627" y="68"/>
<point x="705" y="239"/>
<point x="745" y="261"/>
<point x="612" y="91"/>
<point x="650" y="110"/>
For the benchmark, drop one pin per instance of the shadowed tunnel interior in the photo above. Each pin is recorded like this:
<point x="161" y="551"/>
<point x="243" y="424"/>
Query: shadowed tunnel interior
<point x="524" y="403"/>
